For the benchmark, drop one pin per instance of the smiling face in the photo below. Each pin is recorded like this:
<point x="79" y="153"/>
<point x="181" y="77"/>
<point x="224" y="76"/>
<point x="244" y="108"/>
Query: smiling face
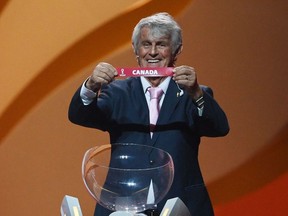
<point x="154" y="49"/>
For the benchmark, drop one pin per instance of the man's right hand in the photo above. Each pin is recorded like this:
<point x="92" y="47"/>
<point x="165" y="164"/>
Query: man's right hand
<point x="103" y="73"/>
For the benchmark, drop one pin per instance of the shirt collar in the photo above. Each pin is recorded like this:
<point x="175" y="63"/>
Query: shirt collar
<point x="163" y="85"/>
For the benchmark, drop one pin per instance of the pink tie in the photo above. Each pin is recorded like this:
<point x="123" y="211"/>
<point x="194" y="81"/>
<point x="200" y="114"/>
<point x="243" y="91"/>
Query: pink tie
<point x="155" y="96"/>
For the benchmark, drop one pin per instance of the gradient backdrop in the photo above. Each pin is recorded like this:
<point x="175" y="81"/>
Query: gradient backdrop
<point x="48" y="47"/>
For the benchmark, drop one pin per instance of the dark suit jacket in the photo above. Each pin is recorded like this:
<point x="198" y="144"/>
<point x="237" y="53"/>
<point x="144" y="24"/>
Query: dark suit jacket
<point x="122" y="110"/>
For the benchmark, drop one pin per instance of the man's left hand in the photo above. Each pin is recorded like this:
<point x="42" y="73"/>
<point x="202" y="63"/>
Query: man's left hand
<point x="186" y="77"/>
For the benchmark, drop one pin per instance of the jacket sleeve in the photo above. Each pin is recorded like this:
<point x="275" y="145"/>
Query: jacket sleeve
<point x="213" y="122"/>
<point x="87" y="115"/>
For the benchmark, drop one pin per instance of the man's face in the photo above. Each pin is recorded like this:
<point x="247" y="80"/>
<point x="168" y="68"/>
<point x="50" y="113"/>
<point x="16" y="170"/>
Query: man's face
<point x="154" y="51"/>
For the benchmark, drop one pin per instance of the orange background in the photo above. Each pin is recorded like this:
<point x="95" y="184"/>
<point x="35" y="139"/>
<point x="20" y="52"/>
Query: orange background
<point x="47" y="48"/>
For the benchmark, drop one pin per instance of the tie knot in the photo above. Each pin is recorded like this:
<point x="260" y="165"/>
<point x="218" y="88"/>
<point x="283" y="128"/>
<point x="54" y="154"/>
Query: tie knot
<point x="155" y="92"/>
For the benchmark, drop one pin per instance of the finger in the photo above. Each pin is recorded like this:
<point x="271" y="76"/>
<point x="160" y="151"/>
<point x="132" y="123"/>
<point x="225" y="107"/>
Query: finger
<point x="104" y="71"/>
<point x="102" y="80"/>
<point x="109" y="69"/>
<point x="182" y="77"/>
<point x="184" y="70"/>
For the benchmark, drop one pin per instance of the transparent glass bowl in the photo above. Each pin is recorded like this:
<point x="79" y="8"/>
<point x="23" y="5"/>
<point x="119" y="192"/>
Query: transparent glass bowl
<point x="127" y="177"/>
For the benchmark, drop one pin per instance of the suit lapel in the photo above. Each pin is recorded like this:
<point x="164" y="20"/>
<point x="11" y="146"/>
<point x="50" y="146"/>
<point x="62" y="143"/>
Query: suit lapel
<point x="169" y="103"/>
<point x="139" y="101"/>
<point x="168" y="107"/>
